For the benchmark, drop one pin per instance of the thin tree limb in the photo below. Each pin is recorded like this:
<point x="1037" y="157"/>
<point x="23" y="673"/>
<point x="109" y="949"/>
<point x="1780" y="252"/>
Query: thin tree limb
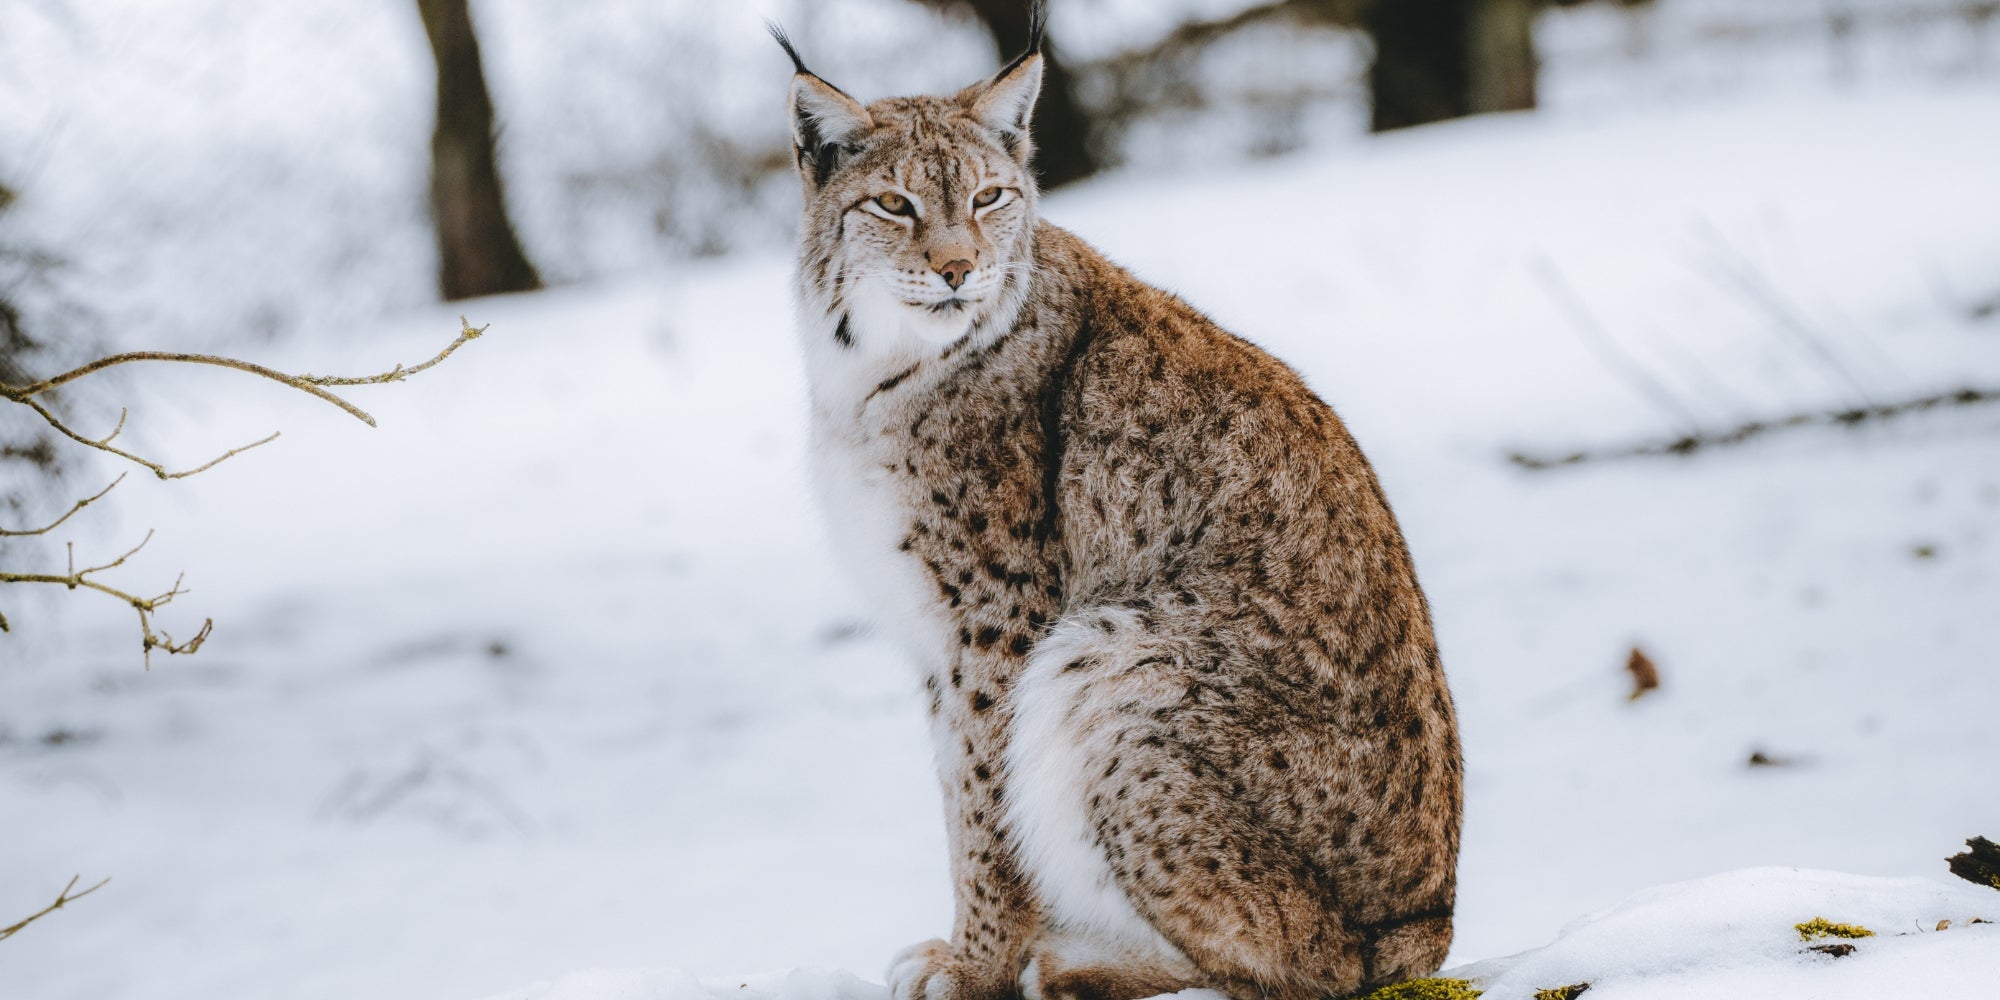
<point x="310" y="384"/>
<point x="21" y="394"/>
<point x="146" y="606"/>
<point x="63" y="899"/>
<point x="466" y="332"/>
<point x="159" y="470"/>
<point x="58" y="522"/>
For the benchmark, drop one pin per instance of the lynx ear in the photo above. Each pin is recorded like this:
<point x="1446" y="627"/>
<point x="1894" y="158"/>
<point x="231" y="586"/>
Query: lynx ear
<point x="1006" y="103"/>
<point x="825" y="121"/>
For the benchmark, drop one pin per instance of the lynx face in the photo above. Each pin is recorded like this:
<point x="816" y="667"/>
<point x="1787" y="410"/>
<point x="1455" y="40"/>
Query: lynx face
<point x="920" y="211"/>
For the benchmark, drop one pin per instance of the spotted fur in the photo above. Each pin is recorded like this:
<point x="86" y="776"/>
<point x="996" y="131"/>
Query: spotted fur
<point x="1187" y="709"/>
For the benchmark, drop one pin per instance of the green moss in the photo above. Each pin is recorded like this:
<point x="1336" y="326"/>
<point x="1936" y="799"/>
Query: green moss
<point x="1570" y="992"/>
<point x="1426" y="989"/>
<point x="1819" y="927"/>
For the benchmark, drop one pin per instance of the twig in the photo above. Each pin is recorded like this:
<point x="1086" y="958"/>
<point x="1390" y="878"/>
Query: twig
<point x="1591" y="331"/>
<point x="304" y="383"/>
<point x="150" y="639"/>
<point x="145" y="606"/>
<point x="57" y="523"/>
<point x="1738" y="270"/>
<point x="1689" y="443"/>
<point x="104" y="445"/>
<point x="310" y="384"/>
<point x="21" y="394"/>
<point x="62" y="900"/>
<point x="466" y="332"/>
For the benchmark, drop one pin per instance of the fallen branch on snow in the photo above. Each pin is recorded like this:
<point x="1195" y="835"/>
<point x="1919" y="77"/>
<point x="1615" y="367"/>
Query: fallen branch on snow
<point x="1688" y="444"/>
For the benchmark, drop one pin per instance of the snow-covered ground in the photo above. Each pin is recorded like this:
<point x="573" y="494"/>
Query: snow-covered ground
<point x="552" y="672"/>
<point x="1718" y="938"/>
<point x="1739" y="935"/>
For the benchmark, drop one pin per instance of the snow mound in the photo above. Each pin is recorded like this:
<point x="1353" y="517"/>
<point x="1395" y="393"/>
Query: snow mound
<point x="1728" y="936"/>
<point x="1735" y="935"/>
<point x="660" y="984"/>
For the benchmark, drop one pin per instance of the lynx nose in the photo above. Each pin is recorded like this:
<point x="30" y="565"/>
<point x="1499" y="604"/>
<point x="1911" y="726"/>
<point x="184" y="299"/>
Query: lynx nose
<point x="955" y="272"/>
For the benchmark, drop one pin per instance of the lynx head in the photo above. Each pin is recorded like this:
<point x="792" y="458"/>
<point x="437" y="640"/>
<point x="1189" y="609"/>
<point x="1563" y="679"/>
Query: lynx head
<point x="919" y="211"/>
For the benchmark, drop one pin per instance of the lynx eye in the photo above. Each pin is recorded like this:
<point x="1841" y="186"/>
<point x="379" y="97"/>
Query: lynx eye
<point x="986" y="197"/>
<point x="895" y="204"/>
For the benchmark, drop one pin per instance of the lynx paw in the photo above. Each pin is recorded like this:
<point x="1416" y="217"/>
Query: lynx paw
<point x="931" y="971"/>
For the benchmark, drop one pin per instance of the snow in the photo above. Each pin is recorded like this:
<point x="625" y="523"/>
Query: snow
<point x="1723" y="937"/>
<point x="645" y="984"/>
<point x="1733" y="935"/>
<point x="552" y="671"/>
<point x="1718" y="938"/>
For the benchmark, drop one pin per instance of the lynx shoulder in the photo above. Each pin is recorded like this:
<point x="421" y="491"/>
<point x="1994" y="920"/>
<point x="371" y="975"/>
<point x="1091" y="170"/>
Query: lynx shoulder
<point x="1188" y="714"/>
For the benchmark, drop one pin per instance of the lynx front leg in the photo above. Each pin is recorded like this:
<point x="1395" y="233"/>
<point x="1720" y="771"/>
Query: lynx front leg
<point x="995" y="916"/>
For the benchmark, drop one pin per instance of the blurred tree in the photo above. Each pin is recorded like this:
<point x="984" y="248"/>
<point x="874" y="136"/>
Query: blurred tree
<point x="1440" y="59"/>
<point x="21" y="442"/>
<point x="1063" y="129"/>
<point x="479" y="253"/>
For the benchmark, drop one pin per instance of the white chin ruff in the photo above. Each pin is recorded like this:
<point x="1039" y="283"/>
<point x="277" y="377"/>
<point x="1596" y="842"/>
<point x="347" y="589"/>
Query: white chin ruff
<point x="879" y="313"/>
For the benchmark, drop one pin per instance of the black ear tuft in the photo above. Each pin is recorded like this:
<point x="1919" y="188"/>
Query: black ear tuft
<point x="785" y="41"/>
<point x="825" y="120"/>
<point x="1038" y="20"/>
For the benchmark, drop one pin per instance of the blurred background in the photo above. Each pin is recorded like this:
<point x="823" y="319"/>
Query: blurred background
<point x="1673" y="327"/>
<point x="634" y="134"/>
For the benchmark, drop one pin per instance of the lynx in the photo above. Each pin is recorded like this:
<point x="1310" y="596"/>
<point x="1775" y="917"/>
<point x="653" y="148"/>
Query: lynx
<point x="1187" y="709"/>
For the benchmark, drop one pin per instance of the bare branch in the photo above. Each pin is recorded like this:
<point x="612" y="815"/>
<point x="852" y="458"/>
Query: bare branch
<point x="158" y="469"/>
<point x="62" y="899"/>
<point x="310" y="384"/>
<point x="115" y="431"/>
<point x="22" y="394"/>
<point x="225" y="456"/>
<point x="74" y="578"/>
<point x="466" y="332"/>
<point x="25" y="395"/>
<point x="304" y="383"/>
<point x="1155" y="77"/>
<point x="57" y="523"/>
<point x="149" y="639"/>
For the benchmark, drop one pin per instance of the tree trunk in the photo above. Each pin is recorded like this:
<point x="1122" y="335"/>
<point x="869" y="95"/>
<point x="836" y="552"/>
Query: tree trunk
<point x="1503" y="61"/>
<point x="1062" y="128"/>
<point x="477" y="249"/>
<point x="1441" y="59"/>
